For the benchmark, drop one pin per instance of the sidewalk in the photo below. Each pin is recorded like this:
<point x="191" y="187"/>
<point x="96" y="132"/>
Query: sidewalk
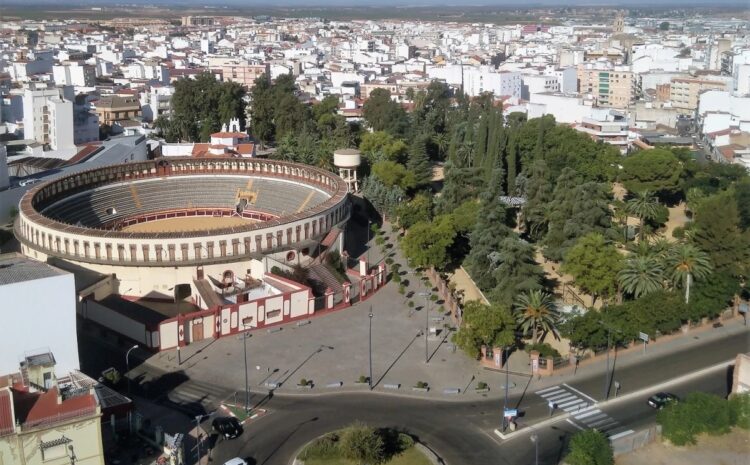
<point x="332" y="351"/>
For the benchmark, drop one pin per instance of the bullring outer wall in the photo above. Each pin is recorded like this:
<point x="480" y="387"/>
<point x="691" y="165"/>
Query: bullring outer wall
<point x="42" y="237"/>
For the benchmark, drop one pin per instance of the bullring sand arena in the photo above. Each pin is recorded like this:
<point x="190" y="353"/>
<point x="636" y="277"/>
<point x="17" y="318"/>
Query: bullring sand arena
<point x="195" y="223"/>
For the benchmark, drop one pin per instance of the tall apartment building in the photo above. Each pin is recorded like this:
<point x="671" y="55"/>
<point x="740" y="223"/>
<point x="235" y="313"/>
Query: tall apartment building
<point x="197" y="20"/>
<point x="74" y="74"/>
<point x="478" y="80"/>
<point x="243" y="73"/>
<point x="112" y="108"/>
<point x="609" y="87"/>
<point x="48" y="117"/>
<point x="684" y="92"/>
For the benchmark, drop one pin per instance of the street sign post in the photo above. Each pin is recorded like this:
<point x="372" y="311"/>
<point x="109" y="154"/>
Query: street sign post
<point x="510" y="413"/>
<point x="644" y="337"/>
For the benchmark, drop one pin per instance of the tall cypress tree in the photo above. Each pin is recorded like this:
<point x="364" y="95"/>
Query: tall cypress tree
<point x="511" y="164"/>
<point x="538" y="195"/>
<point x="488" y="232"/>
<point x="418" y="162"/>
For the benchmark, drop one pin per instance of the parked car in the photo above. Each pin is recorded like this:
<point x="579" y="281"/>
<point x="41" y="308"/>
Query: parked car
<point x="228" y="427"/>
<point x="235" y="461"/>
<point x="662" y="399"/>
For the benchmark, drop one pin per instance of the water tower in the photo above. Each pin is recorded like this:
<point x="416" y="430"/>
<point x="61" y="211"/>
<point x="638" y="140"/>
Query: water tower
<point x="347" y="161"/>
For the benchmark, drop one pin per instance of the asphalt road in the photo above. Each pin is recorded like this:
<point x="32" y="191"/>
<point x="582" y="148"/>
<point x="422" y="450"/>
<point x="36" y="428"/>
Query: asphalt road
<point x="461" y="433"/>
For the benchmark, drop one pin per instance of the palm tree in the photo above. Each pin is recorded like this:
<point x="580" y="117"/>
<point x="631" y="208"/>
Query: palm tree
<point x="535" y="311"/>
<point x="643" y="206"/>
<point x="441" y="140"/>
<point x="686" y="262"/>
<point x="641" y="275"/>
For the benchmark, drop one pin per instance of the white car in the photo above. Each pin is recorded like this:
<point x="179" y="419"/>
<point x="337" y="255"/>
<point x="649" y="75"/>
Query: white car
<point x="28" y="182"/>
<point x="235" y="461"/>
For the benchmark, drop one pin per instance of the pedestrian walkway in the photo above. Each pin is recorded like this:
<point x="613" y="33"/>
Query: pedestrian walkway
<point x="566" y="398"/>
<point x="584" y="412"/>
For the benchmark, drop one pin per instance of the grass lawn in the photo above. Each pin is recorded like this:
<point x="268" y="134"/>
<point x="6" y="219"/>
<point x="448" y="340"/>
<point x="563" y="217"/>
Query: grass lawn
<point x="410" y="456"/>
<point x="238" y="412"/>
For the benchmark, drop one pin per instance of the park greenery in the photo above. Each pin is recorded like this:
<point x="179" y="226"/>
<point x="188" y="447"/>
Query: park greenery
<point x="590" y="447"/>
<point x="359" y="444"/>
<point x="505" y="196"/>
<point x="699" y="413"/>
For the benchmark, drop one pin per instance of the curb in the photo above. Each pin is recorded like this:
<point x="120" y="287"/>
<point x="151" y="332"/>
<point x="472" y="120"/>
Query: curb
<point x="616" y="400"/>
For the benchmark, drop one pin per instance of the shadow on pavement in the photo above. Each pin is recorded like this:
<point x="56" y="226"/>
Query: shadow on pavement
<point x="385" y="373"/>
<point x="286" y="438"/>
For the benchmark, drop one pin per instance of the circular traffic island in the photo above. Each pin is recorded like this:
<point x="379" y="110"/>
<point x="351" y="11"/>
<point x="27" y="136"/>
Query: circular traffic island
<point x="359" y="444"/>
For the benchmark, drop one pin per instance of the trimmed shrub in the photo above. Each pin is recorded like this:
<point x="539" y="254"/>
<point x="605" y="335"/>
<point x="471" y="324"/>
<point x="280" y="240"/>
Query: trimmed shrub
<point x="405" y="442"/>
<point x="421" y="385"/>
<point x="545" y="350"/>
<point x="362" y="379"/>
<point x="590" y="447"/>
<point x="482" y="385"/>
<point x="402" y="289"/>
<point x="410" y="304"/>
<point x="304" y="382"/>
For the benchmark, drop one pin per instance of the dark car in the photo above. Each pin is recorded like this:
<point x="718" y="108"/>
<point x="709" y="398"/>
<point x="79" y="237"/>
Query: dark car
<point x="229" y="427"/>
<point x="662" y="399"/>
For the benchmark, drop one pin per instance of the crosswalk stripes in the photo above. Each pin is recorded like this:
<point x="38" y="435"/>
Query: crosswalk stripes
<point x="566" y="398"/>
<point x="583" y="410"/>
<point x="196" y="396"/>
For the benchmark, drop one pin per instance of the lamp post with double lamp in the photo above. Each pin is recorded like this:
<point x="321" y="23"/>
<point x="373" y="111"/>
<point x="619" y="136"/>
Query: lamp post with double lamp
<point x="127" y="364"/>
<point x="426" y="324"/>
<point x="369" y="379"/>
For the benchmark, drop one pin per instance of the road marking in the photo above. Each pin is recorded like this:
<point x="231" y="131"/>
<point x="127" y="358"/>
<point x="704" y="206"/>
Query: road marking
<point x="571" y="404"/>
<point x="559" y="396"/>
<point x="592" y="420"/>
<point x="619" y="435"/>
<point x="573" y="423"/>
<point x="547" y="390"/>
<point x="565" y="398"/>
<point x="579" y="392"/>
<point x="603" y="424"/>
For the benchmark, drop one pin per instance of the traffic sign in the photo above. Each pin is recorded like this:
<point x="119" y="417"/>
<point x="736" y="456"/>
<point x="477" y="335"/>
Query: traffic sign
<point x="643" y="337"/>
<point x="510" y="413"/>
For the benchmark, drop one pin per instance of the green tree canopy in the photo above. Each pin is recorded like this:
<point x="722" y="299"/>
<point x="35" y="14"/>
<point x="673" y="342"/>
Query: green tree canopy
<point x="655" y="170"/>
<point x="380" y="145"/>
<point x="490" y="325"/>
<point x="590" y="447"/>
<point x="391" y="174"/>
<point x="383" y="114"/>
<point x="594" y="264"/>
<point x="427" y="243"/>
<point x="536" y="312"/>
<point x="717" y="232"/>
<point x="362" y="444"/>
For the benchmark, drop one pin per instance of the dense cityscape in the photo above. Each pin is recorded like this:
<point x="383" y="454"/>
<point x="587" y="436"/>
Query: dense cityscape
<point x="374" y="234"/>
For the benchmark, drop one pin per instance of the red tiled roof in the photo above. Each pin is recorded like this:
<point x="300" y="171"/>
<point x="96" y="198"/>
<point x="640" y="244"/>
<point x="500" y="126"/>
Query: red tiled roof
<point x="84" y="152"/>
<point x="245" y="149"/>
<point x="39" y="408"/>
<point x="6" y="413"/>
<point x="225" y="135"/>
<point x="198" y="149"/>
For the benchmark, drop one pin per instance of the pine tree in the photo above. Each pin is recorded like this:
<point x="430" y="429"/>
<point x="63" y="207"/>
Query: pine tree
<point x="511" y="164"/>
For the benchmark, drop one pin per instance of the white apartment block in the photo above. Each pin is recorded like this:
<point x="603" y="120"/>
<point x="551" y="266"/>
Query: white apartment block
<point x="48" y="118"/>
<point x="74" y="74"/>
<point x="534" y="84"/>
<point x="478" y="80"/>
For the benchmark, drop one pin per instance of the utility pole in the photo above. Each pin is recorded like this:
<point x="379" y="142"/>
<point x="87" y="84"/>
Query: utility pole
<point x="369" y="380"/>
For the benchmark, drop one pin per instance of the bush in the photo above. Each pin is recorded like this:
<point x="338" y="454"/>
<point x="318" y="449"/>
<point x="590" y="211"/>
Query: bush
<point x="482" y="385"/>
<point x="362" y="444"/>
<point x="401" y="289"/>
<point x="395" y="277"/>
<point x="421" y="385"/>
<point x="405" y="442"/>
<point x="678" y="232"/>
<point x="434" y="297"/>
<point x="590" y="447"/>
<point x="389" y="261"/>
<point x="739" y="410"/>
<point x="321" y="448"/>
<point x="362" y="379"/>
<point x="699" y="413"/>
<point x="410" y="304"/>
<point x="379" y="240"/>
<point x="545" y="350"/>
<point x="304" y="382"/>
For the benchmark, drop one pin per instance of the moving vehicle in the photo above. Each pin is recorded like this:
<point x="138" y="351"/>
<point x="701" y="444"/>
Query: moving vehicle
<point x="235" y="461"/>
<point x="662" y="399"/>
<point x="228" y="427"/>
<point x="28" y="182"/>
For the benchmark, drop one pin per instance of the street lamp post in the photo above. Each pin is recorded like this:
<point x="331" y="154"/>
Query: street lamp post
<point x="369" y="380"/>
<point x="507" y="378"/>
<point x="369" y="225"/>
<point x="245" y="335"/>
<point x="127" y="365"/>
<point x="535" y="439"/>
<point x="607" y="385"/>
<point x="426" y="325"/>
